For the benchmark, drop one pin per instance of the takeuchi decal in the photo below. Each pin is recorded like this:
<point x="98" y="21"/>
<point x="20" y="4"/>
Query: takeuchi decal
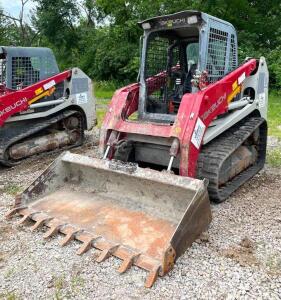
<point x="13" y="106"/>
<point x="213" y="107"/>
<point x="173" y="22"/>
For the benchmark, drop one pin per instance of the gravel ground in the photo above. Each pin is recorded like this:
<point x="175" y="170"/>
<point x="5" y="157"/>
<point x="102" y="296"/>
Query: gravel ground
<point x="239" y="257"/>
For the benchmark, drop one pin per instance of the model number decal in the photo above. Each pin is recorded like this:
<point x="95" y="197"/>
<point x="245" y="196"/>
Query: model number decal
<point x="198" y="133"/>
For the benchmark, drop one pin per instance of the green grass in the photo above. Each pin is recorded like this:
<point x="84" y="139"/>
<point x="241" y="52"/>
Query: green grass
<point x="100" y="115"/>
<point x="12" y="189"/>
<point x="274" y="116"/>
<point x="9" y="296"/>
<point x="104" y="90"/>
<point x="273" y="158"/>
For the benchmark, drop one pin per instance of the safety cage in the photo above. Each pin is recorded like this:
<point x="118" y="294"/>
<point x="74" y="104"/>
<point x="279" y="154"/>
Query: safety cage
<point x="176" y="48"/>
<point x="21" y="67"/>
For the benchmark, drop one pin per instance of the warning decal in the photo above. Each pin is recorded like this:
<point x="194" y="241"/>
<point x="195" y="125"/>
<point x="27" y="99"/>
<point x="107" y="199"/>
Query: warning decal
<point x="198" y="133"/>
<point x="82" y="98"/>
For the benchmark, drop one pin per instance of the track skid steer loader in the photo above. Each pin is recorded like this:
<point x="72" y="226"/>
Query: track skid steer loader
<point x="194" y="117"/>
<point x="41" y="108"/>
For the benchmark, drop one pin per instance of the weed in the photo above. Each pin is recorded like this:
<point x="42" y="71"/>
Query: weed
<point x="274" y="158"/>
<point x="9" y="296"/>
<point x="12" y="189"/>
<point x="105" y="89"/>
<point x="9" y="273"/>
<point x="274" y="116"/>
<point x="59" y="284"/>
<point x="77" y="282"/>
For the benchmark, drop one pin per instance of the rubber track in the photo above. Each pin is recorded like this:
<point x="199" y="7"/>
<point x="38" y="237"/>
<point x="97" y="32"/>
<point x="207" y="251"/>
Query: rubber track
<point x="216" y="152"/>
<point x="11" y="136"/>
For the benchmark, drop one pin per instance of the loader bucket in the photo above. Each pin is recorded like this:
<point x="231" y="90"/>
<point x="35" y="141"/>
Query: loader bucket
<point x="144" y="217"/>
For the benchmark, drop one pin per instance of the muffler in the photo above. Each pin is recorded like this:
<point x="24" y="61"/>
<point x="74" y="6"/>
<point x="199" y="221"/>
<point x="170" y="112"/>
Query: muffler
<point x="141" y="216"/>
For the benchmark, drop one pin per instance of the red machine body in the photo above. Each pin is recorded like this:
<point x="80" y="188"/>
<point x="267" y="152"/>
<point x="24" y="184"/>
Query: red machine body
<point x="195" y="114"/>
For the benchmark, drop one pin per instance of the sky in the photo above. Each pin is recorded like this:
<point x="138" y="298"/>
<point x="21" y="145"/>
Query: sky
<point x="13" y="6"/>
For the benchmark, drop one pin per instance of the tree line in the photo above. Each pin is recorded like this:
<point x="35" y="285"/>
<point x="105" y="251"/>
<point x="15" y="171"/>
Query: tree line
<point x="102" y="36"/>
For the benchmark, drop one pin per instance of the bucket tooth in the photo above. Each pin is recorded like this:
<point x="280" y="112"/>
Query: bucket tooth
<point x="53" y="230"/>
<point x="127" y="263"/>
<point x="26" y="217"/>
<point x="14" y="211"/>
<point x="86" y="246"/>
<point x="106" y="253"/>
<point x="152" y="277"/>
<point x="69" y="237"/>
<point x="40" y="222"/>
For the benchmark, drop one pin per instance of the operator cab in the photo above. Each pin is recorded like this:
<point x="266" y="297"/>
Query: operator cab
<point x="21" y="67"/>
<point x="173" y="57"/>
<point x="182" y="53"/>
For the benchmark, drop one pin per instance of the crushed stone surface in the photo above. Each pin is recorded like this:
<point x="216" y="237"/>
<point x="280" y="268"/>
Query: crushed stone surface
<point x="238" y="258"/>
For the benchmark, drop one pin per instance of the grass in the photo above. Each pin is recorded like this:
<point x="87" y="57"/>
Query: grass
<point x="274" y="116"/>
<point x="273" y="158"/>
<point x="104" y="89"/>
<point x="59" y="284"/>
<point x="77" y="282"/>
<point x="9" y="273"/>
<point x="100" y="115"/>
<point x="12" y="189"/>
<point x="9" y="296"/>
<point x="103" y="92"/>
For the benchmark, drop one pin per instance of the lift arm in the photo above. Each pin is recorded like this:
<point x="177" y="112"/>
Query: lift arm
<point x="13" y="102"/>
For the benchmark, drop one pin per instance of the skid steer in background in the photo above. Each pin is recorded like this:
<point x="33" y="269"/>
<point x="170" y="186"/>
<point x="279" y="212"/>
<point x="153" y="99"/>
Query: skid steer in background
<point x="195" y="116"/>
<point x="41" y="109"/>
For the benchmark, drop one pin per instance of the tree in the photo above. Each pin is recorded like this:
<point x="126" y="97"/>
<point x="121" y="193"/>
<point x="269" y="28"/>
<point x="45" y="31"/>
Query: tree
<point x="102" y="36"/>
<point x="57" y="21"/>
<point x="20" y="32"/>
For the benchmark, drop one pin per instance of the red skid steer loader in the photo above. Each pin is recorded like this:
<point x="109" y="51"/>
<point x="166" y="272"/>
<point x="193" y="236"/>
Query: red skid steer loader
<point x="194" y="117"/>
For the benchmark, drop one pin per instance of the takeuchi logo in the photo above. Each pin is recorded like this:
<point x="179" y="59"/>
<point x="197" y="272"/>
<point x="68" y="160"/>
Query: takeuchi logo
<point x="213" y="107"/>
<point x="170" y="23"/>
<point x="13" y="106"/>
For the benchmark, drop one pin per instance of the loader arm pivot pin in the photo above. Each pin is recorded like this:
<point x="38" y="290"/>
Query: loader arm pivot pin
<point x="113" y="138"/>
<point x="106" y="152"/>
<point x="173" y="153"/>
<point x="170" y="163"/>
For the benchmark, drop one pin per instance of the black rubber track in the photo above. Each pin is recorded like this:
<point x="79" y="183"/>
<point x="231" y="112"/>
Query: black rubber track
<point x="217" y="151"/>
<point x="16" y="133"/>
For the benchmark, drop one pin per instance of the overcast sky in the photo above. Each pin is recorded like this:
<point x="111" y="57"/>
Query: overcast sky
<point x="13" y="6"/>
